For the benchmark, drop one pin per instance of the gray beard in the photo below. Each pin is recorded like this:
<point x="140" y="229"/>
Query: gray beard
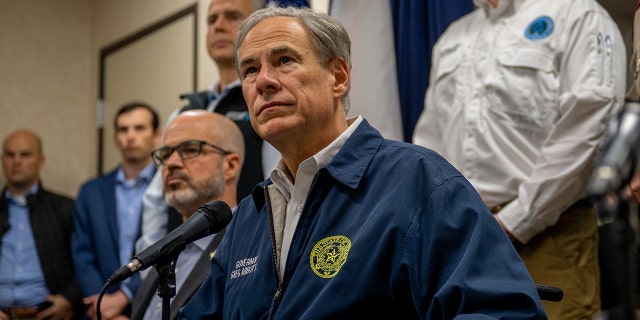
<point x="187" y="201"/>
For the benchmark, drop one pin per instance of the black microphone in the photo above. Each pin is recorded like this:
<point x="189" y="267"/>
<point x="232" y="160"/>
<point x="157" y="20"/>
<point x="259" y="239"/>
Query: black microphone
<point x="210" y="218"/>
<point x="616" y="163"/>
<point x="549" y="293"/>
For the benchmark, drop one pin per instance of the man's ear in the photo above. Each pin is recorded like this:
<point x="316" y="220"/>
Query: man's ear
<point x="340" y="71"/>
<point x="41" y="161"/>
<point x="231" y="167"/>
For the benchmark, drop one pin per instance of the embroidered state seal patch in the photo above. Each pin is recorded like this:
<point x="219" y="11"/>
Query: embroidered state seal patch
<point x="328" y="255"/>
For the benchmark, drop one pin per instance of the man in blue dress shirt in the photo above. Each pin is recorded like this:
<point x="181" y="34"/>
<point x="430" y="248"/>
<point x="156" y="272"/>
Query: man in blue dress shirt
<point x="36" y="270"/>
<point x="108" y="212"/>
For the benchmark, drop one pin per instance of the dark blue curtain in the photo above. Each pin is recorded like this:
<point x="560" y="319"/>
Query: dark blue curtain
<point x="417" y="26"/>
<point x="288" y="3"/>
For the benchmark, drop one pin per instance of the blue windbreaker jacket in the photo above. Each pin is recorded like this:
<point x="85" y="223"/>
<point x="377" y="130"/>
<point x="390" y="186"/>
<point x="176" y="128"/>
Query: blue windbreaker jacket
<point x="389" y="229"/>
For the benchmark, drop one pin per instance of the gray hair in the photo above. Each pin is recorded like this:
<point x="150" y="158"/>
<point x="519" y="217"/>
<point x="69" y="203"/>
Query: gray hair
<point x="328" y="36"/>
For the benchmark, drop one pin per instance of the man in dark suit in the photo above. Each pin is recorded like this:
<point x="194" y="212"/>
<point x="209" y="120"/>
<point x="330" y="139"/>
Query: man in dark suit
<point x="201" y="160"/>
<point x="108" y="212"/>
<point x="36" y="270"/>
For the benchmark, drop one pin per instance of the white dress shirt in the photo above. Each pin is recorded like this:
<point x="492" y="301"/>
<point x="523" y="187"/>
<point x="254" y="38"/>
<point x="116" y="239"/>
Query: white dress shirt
<point x="519" y="99"/>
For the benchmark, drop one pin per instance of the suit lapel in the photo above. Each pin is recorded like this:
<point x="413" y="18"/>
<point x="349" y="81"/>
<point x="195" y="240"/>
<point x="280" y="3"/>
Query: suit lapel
<point x="196" y="277"/>
<point x="149" y="286"/>
<point x="108" y="189"/>
<point x="147" y="290"/>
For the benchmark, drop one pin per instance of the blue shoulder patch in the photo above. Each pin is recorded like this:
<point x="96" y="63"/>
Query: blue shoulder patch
<point x="540" y="28"/>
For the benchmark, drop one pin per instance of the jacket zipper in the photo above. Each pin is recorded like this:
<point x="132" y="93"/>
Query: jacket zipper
<point x="276" y="296"/>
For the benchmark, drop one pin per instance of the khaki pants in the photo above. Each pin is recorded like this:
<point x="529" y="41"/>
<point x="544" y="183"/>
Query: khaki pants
<point x="566" y="256"/>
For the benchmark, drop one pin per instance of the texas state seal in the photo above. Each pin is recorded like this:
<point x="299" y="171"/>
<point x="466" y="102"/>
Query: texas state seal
<point x="328" y="255"/>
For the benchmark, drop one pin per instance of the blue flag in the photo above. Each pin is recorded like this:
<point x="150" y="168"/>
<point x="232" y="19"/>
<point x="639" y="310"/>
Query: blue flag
<point x="287" y="3"/>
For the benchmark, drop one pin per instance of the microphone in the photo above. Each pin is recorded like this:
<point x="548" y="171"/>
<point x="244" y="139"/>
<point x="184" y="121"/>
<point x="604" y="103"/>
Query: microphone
<point x="208" y="219"/>
<point x="616" y="164"/>
<point x="549" y="293"/>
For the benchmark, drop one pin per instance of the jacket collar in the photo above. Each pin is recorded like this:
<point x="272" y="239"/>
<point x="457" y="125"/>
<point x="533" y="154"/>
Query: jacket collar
<point x="32" y="200"/>
<point x="348" y="166"/>
<point x="32" y="196"/>
<point x="504" y="8"/>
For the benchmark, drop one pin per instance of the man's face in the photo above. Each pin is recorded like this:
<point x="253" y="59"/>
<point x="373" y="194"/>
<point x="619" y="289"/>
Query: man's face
<point x="223" y="20"/>
<point x="135" y="136"/>
<point x="288" y="92"/>
<point x="22" y="160"/>
<point x="189" y="183"/>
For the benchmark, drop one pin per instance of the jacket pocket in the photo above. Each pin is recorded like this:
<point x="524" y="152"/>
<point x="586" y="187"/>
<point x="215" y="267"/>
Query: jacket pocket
<point x="524" y="90"/>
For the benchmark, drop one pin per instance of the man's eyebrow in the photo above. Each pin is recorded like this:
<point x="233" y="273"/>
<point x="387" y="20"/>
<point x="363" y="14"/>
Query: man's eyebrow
<point x="281" y="49"/>
<point x="232" y="12"/>
<point x="247" y="60"/>
<point x="229" y="12"/>
<point x="274" y="51"/>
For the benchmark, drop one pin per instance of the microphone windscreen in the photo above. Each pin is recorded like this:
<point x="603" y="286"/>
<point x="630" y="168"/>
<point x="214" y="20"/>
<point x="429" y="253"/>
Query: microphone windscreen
<point x="218" y="213"/>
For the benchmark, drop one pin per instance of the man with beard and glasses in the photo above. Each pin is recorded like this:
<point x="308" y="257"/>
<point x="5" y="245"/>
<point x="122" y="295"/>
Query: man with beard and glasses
<point x="201" y="160"/>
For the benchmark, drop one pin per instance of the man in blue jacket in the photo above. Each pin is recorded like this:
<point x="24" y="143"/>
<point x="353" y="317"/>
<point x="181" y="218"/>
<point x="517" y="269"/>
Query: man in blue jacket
<point x="108" y="212"/>
<point x="349" y="225"/>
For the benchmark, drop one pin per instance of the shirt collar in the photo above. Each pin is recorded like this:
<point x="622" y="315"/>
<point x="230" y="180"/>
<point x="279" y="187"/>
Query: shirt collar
<point x="203" y="243"/>
<point x="497" y="12"/>
<point x="281" y="179"/>
<point x="21" y="199"/>
<point x="348" y="166"/>
<point x="212" y="88"/>
<point x="144" y="176"/>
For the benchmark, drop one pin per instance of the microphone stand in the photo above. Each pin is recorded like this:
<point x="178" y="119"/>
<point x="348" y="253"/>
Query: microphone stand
<point x="166" y="269"/>
<point x="616" y="258"/>
<point x="615" y="168"/>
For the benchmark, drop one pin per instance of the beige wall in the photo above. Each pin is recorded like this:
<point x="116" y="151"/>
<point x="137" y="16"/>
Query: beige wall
<point x="49" y="52"/>
<point x="115" y="19"/>
<point x="46" y="83"/>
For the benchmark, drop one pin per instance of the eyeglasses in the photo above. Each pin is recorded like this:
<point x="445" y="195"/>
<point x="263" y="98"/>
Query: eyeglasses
<point x="186" y="150"/>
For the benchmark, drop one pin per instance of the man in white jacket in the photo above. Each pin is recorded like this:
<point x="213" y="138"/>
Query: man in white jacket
<point x="519" y="98"/>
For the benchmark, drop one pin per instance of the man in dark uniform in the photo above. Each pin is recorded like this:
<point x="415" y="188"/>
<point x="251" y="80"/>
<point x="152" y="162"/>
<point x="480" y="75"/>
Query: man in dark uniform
<point x="224" y="97"/>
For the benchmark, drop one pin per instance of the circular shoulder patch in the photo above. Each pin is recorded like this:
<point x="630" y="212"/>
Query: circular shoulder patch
<point x="328" y="255"/>
<point x="540" y="28"/>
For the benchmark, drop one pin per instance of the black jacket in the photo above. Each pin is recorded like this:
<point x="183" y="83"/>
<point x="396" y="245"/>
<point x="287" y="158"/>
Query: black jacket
<point x="51" y="218"/>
